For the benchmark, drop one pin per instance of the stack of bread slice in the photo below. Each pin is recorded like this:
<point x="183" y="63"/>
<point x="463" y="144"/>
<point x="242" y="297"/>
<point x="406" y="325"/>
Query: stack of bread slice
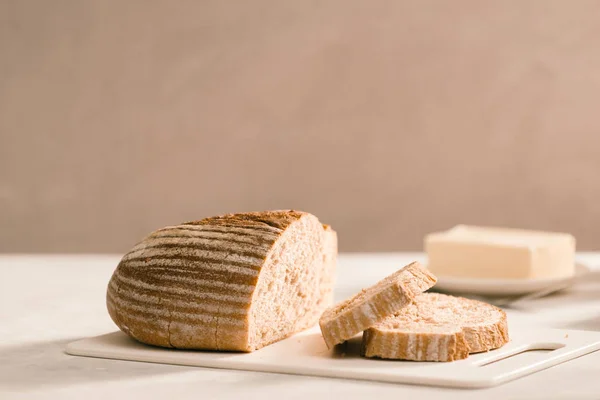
<point x="401" y="322"/>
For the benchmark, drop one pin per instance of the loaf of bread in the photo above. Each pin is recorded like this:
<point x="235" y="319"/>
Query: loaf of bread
<point x="236" y="282"/>
<point x="437" y="327"/>
<point x="352" y="316"/>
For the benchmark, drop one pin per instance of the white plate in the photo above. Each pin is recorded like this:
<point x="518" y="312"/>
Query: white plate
<point x="503" y="287"/>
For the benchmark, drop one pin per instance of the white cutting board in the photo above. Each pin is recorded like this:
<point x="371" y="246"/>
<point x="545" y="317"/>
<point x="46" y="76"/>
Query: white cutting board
<point x="306" y="354"/>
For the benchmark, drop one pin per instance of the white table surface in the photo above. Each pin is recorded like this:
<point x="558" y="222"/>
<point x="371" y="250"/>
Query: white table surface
<point x="48" y="301"/>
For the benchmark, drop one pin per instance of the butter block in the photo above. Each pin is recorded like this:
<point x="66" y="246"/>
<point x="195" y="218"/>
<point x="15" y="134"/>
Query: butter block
<point x="500" y="253"/>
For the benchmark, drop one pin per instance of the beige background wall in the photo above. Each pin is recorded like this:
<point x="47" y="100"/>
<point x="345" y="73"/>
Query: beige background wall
<point x="388" y="119"/>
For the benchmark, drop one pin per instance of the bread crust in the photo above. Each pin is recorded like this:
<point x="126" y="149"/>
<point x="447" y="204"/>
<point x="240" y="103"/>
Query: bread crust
<point x="352" y="316"/>
<point x="486" y="338"/>
<point x="391" y="345"/>
<point x="192" y="285"/>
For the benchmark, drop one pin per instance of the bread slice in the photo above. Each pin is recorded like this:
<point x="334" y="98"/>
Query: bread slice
<point x="236" y="282"/>
<point x="354" y="315"/>
<point x="437" y="327"/>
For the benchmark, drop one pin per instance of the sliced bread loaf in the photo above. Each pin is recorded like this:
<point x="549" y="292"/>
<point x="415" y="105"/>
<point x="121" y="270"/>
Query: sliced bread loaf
<point x="352" y="316"/>
<point x="437" y="327"/>
<point x="236" y="282"/>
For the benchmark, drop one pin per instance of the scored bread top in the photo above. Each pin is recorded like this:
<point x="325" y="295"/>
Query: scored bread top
<point x="352" y="316"/>
<point x="431" y="323"/>
<point x="279" y="219"/>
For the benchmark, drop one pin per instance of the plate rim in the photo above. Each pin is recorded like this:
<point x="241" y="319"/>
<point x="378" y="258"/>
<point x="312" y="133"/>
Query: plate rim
<point x="504" y="286"/>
